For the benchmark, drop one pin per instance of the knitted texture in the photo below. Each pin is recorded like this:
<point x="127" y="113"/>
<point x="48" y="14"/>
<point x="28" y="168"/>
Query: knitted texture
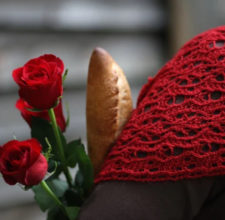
<point x="177" y="130"/>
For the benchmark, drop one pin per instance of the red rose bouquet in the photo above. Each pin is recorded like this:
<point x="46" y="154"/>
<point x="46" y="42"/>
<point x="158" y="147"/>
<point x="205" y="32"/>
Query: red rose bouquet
<point x="40" y="162"/>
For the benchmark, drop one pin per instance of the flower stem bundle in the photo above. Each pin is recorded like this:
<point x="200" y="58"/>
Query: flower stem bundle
<point x="38" y="162"/>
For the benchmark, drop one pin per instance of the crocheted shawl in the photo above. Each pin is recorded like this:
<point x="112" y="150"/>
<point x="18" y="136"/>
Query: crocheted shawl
<point x="177" y="130"/>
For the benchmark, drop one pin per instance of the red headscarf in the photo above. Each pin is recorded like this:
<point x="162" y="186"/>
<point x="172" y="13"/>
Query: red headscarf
<point x="177" y="130"/>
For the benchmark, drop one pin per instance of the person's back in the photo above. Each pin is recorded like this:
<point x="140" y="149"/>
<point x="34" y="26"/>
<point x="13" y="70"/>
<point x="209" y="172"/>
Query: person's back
<point x="169" y="161"/>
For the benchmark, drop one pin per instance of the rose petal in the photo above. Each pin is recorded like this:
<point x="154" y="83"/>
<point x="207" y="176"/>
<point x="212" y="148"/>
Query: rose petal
<point x="36" y="172"/>
<point x="35" y="150"/>
<point x="36" y="71"/>
<point x="40" y="81"/>
<point x="53" y="58"/>
<point x="43" y="96"/>
<point x="60" y="117"/>
<point x="9" y="179"/>
<point x="17" y="76"/>
<point x="8" y="145"/>
<point x="21" y="161"/>
<point x="22" y="106"/>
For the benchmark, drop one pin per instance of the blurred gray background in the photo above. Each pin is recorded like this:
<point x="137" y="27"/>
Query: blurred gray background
<point x="141" y="36"/>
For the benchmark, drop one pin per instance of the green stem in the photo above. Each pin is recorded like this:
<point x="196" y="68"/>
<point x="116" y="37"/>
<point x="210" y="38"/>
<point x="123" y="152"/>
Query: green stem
<point x="60" y="146"/>
<point x="45" y="186"/>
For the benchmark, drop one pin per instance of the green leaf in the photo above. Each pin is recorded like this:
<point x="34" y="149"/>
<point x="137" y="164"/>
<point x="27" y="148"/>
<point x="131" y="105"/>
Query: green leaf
<point x="79" y="179"/>
<point x="86" y="169"/>
<point x="68" y="115"/>
<point x="57" y="172"/>
<point x="56" y="213"/>
<point x="48" y="154"/>
<point x="40" y="129"/>
<point x="73" y="197"/>
<point x="71" y="152"/>
<point x="65" y="75"/>
<point x="43" y="199"/>
<point x="75" y="153"/>
<point x="58" y="187"/>
<point x="72" y="212"/>
<point x="79" y="183"/>
<point x="52" y="165"/>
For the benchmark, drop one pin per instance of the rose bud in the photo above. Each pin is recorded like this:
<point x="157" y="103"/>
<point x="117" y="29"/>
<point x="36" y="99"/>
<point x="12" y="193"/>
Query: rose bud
<point x="23" y="106"/>
<point x="22" y="162"/>
<point x="40" y="81"/>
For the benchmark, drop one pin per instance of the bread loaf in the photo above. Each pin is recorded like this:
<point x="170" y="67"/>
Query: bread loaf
<point x="108" y="105"/>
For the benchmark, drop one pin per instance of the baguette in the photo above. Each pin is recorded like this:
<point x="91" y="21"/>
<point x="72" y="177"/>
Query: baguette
<point x="108" y="105"/>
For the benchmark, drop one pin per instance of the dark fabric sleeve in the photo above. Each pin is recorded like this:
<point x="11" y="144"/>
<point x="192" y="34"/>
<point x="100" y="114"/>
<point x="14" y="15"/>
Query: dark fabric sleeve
<point x="181" y="200"/>
<point x="214" y="206"/>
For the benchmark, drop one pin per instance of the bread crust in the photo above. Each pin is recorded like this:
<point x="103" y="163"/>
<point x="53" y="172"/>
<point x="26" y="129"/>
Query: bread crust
<point x="108" y="105"/>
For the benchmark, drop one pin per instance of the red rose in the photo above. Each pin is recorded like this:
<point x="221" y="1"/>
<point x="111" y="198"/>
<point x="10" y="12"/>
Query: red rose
<point x="22" y="162"/>
<point x="27" y="115"/>
<point x="40" y="81"/>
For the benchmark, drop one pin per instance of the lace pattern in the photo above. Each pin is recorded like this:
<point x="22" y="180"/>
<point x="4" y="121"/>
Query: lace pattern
<point x="177" y="130"/>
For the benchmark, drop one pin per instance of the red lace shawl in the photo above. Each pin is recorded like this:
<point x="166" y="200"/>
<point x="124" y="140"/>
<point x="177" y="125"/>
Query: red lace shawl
<point x="177" y="130"/>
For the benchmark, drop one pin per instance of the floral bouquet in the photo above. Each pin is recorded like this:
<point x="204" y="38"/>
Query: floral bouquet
<point x="41" y="163"/>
